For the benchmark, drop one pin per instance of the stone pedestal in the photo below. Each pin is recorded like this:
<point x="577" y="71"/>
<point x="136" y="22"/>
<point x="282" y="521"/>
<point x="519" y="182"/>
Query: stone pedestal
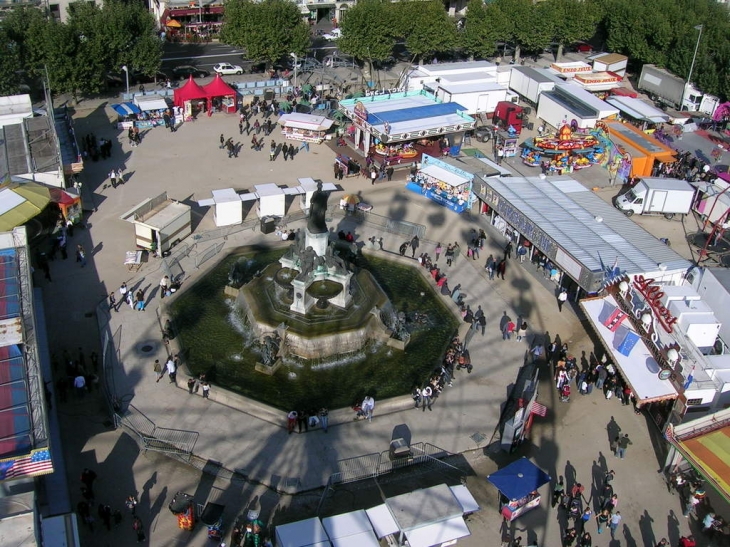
<point x="300" y="304"/>
<point x="318" y="242"/>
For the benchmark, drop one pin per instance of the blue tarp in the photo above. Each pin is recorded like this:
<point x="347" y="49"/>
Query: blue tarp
<point x="414" y="113"/>
<point x="126" y="109"/>
<point x="518" y="479"/>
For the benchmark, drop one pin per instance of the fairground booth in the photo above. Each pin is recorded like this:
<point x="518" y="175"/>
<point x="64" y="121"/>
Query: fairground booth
<point x="398" y="128"/>
<point x="582" y="238"/>
<point x="221" y="96"/>
<point x="68" y="202"/>
<point x="153" y="108"/>
<point x="305" y="127"/>
<point x="192" y="98"/>
<point x="562" y="152"/>
<point x="642" y="152"/>
<point x="639" y="113"/>
<point x="444" y="183"/>
<point x="518" y="485"/>
<point x="571" y="104"/>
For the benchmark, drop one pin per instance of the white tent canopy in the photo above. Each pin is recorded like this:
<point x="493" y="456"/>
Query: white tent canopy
<point x="638" y="109"/>
<point x="639" y="367"/>
<point x="147" y="103"/>
<point x="305" y="121"/>
<point x="444" y="175"/>
<point x="303" y="533"/>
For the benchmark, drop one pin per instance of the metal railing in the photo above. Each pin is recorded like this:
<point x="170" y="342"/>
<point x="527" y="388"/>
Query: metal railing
<point x="176" y="442"/>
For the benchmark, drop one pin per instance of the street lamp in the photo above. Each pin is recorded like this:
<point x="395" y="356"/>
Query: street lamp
<point x="692" y="66"/>
<point x="296" y="62"/>
<point x="126" y="74"/>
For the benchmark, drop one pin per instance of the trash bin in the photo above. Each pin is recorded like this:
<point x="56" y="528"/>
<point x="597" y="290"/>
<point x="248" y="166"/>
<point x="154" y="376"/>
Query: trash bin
<point x="268" y="225"/>
<point x="269" y="95"/>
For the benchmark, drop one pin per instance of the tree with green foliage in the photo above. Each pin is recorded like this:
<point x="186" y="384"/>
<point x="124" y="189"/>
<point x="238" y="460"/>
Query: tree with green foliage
<point x="526" y="25"/>
<point x="425" y="26"/>
<point x="572" y="20"/>
<point x="268" y="31"/>
<point x="482" y="29"/>
<point x="10" y="66"/>
<point x="368" y="32"/>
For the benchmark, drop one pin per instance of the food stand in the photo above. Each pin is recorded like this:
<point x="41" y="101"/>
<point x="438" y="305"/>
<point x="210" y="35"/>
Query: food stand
<point x="127" y="113"/>
<point x="153" y="108"/>
<point x="221" y="96"/>
<point x="443" y="183"/>
<point x="191" y="98"/>
<point x="159" y="223"/>
<point x="517" y="484"/>
<point x="508" y="142"/>
<point x="69" y="202"/>
<point x="304" y="127"/>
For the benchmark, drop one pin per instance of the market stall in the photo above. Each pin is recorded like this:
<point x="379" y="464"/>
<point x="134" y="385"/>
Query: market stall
<point x="508" y="142"/>
<point x="350" y="166"/>
<point x="443" y="183"/>
<point x="191" y="98"/>
<point x="639" y="112"/>
<point x="518" y="485"/>
<point x="153" y="108"/>
<point x="305" y="127"/>
<point x="159" y="223"/>
<point x="350" y="529"/>
<point x="221" y="96"/>
<point x="69" y="203"/>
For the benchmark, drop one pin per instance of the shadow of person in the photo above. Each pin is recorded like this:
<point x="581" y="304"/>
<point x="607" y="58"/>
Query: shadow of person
<point x="630" y="541"/>
<point x="603" y="463"/>
<point x="673" y="528"/>
<point x="647" y="531"/>
<point x="570" y="475"/>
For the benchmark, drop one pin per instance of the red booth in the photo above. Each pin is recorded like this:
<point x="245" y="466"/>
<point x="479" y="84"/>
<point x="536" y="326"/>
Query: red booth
<point x="192" y="98"/>
<point x="221" y="96"/>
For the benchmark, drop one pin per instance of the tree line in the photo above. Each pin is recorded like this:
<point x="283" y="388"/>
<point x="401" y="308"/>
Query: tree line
<point x="647" y="31"/>
<point x="77" y="55"/>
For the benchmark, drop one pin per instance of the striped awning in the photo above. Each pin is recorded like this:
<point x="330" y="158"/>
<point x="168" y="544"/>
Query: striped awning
<point x="538" y="409"/>
<point x="126" y="109"/>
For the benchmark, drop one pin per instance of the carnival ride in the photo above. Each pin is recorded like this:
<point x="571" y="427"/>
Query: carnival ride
<point x="562" y="152"/>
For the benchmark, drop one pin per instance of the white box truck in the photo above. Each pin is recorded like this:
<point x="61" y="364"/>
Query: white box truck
<point x="529" y="82"/>
<point x="651" y="195"/>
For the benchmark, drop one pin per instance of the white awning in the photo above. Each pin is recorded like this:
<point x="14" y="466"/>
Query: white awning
<point x="639" y="368"/>
<point x="306" y="121"/>
<point x="302" y="533"/>
<point x="151" y="102"/>
<point x="444" y="175"/>
<point x="350" y="529"/>
<point x="438" y="533"/>
<point x="638" y="109"/>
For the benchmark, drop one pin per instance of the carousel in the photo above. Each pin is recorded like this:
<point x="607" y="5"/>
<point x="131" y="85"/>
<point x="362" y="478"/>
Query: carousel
<point x="564" y="152"/>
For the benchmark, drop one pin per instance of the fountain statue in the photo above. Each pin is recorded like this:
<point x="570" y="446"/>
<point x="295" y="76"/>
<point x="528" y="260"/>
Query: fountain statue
<point x="314" y="258"/>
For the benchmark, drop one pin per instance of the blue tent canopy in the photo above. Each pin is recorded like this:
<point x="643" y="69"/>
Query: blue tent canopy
<point x="126" y="109"/>
<point x="518" y="479"/>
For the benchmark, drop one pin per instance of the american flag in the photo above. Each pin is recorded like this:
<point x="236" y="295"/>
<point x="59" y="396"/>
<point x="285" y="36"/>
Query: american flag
<point x="38" y="462"/>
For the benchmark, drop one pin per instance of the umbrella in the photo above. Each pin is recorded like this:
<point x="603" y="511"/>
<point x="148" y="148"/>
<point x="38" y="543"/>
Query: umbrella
<point x="173" y="23"/>
<point x="307" y="88"/>
<point x="20" y="202"/>
<point x="351" y="199"/>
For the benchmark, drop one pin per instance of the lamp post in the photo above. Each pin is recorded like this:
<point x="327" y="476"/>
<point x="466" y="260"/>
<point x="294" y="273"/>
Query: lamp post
<point x="126" y="75"/>
<point x="296" y="62"/>
<point x="692" y="66"/>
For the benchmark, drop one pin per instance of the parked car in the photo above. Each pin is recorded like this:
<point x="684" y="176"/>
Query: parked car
<point x="183" y="71"/>
<point x="136" y="77"/>
<point x="582" y="47"/>
<point x="227" y="68"/>
<point x="334" y="34"/>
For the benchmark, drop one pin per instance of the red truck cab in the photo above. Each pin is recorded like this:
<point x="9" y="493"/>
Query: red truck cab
<point x="508" y="114"/>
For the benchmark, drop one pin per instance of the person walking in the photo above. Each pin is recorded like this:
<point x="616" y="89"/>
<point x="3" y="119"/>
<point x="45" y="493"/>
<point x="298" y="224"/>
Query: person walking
<point x="438" y="251"/>
<point x="414" y="246"/>
<point x="223" y="141"/>
<point x="113" y="178"/>
<point x="562" y="298"/>
<point x="508" y="251"/>
<point x="285" y="153"/>
<point x="191" y="385"/>
<point x="112" y="302"/>
<point x="324" y="418"/>
<point x="426" y="395"/>
<point x="138" y="528"/>
<point x="622" y="444"/>
<point x="171" y="369"/>
<point x="120" y="176"/>
<point x="291" y="421"/>
<point x="164" y="286"/>
<point x="272" y="150"/>
<point x="558" y="491"/>
<point x="501" y="268"/>
<point x="602" y="520"/>
<point x="206" y="390"/>
<point x="449" y="255"/>
<point x="368" y="406"/>
<point x="389" y="171"/>
<point x="81" y="255"/>
<point x="614" y="523"/>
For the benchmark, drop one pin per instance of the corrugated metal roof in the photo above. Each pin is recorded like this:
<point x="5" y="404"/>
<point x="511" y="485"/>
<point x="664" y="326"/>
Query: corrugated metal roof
<point x="568" y="212"/>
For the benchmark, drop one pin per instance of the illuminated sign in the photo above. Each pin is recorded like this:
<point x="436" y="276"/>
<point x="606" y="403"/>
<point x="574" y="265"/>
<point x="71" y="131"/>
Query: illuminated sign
<point x="653" y="293"/>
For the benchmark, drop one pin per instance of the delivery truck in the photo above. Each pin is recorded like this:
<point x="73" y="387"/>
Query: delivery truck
<point x="665" y="87"/>
<point x="529" y="82"/>
<point x="650" y="195"/>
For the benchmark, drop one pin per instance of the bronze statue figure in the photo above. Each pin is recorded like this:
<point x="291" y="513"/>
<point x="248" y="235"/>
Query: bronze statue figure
<point x="317" y="211"/>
